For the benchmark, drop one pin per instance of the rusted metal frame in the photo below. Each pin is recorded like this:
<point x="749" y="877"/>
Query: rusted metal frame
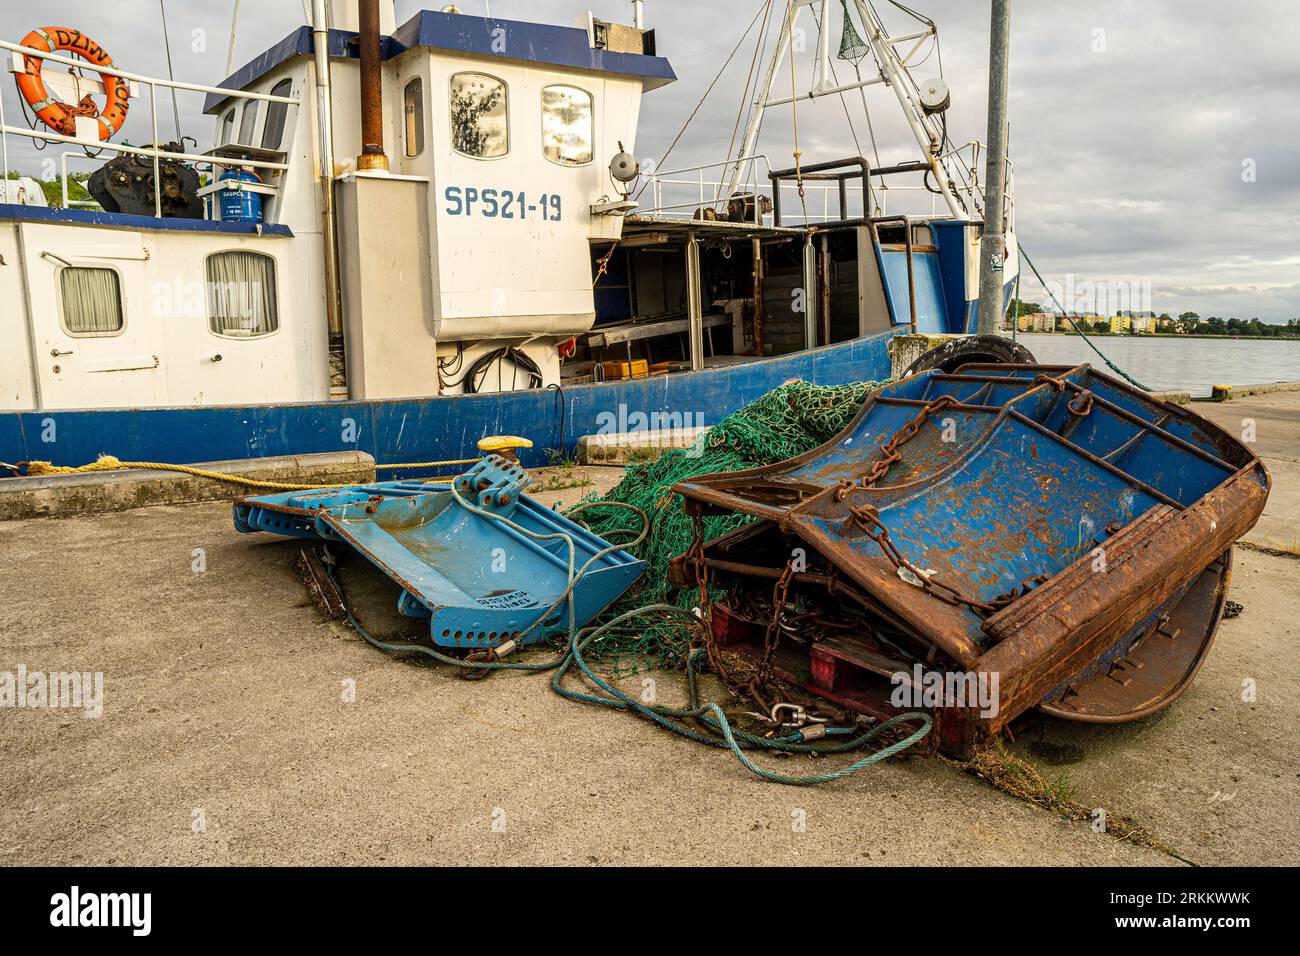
<point x="1145" y="425"/>
<point x="957" y="646"/>
<point x="1118" y="454"/>
<point x="1224" y="571"/>
<point x="1117" y="472"/>
<point x="720" y="498"/>
<point x="922" y="402"/>
<point x="757" y="251"/>
<point x="1029" y="673"/>
<point x="703" y="500"/>
<point x="981" y="393"/>
<point x="874" y="224"/>
<point x="738" y="477"/>
<point x="835" y="585"/>
<point x="824" y="289"/>
<point x="989" y="380"/>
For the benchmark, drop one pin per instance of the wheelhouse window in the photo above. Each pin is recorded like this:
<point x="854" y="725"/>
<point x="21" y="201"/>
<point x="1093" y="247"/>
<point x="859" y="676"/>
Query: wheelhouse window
<point x="242" y="299"/>
<point x="479" y="120"/>
<point x="227" y="129"/>
<point x="567" y="125"/>
<point x="92" y="301"/>
<point x="414" y="108"/>
<point x="277" y="114"/>
<point x="248" y="123"/>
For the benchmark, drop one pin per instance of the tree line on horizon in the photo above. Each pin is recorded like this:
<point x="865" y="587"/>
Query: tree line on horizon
<point x="1186" y="323"/>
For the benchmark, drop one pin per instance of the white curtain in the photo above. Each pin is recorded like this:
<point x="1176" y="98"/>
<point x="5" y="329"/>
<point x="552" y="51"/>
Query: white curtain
<point x="92" y="300"/>
<point x="241" y="294"/>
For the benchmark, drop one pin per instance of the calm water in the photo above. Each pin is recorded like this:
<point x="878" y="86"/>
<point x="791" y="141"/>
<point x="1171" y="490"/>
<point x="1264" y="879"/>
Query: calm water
<point x="1191" y="365"/>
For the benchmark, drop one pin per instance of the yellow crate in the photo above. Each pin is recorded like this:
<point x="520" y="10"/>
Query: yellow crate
<point x="637" y="368"/>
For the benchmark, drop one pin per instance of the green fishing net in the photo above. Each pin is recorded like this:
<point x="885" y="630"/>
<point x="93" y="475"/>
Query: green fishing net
<point x="852" y="47"/>
<point x="787" y="421"/>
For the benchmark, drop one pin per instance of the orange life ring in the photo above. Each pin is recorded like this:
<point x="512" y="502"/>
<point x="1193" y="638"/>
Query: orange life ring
<point x="57" y="115"/>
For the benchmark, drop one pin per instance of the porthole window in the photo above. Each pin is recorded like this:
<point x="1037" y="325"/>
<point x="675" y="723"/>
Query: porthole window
<point x="92" y="301"/>
<point x="414" y="109"/>
<point x="567" y="134"/>
<point x="242" y="299"/>
<point x="277" y="114"/>
<point x="479" y="118"/>
<point x="249" y="122"/>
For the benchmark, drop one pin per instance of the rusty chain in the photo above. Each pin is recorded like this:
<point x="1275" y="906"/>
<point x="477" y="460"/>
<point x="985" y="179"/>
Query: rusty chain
<point x="867" y="518"/>
<point x="889" y="448"/>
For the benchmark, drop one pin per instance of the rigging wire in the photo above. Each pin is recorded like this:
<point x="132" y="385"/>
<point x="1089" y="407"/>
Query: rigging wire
<point x="171" y="73"/>
<point x="751" y="78"/>
<point x="727" y="62"/>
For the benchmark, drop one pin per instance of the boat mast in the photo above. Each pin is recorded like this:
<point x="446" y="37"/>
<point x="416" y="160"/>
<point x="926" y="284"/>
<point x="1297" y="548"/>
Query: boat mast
<point x="893" y="72"/>
<point x="234" y="34"/>
<point x="929" y="135"/>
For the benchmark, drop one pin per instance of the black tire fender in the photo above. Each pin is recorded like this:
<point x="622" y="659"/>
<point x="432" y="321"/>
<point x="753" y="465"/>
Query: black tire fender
<point x="972" y="350"/>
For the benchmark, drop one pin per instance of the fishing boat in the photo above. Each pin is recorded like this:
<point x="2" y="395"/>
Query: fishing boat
<point x="400" y="238"/>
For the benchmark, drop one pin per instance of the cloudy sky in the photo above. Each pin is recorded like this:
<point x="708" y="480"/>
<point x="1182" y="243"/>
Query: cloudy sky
<point x="1154" y="141"/>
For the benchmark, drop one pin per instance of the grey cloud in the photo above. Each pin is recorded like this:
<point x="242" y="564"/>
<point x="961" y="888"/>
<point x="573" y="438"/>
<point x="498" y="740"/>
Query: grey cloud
<point x="1128" y="161"/>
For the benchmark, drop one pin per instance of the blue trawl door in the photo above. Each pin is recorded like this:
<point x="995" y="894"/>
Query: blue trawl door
<point x="931" y="310"/>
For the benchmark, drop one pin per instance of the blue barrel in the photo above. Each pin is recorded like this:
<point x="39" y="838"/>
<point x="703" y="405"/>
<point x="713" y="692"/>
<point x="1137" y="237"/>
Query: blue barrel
<point x="237" y="203"/>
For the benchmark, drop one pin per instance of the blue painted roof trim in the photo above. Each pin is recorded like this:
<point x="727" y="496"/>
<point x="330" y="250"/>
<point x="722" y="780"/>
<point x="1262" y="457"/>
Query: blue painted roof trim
<point x="299" y="43"/>
<point x="481" y="36"/>
<point x="534" y="42"/>
<point x="117" y="220"/>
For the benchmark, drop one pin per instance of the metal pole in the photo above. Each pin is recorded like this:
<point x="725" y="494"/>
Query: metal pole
<point x="4" y="146"/>
<point x="638" y="14"/>
<point x="810" y="297"/>
<point x="372" y="91"/>
<point x="695" y="302"/>
<point x="234" y="32"/>
<point x="325" y="113"/>
<point x="157" y="165"/>
<point x="993" y="240"/>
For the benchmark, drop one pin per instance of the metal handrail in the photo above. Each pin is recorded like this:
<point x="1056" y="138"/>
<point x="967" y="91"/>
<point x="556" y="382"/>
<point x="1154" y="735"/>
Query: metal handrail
<point x="658" y="180"/>
<point x="156" y="152"/>
<point x="969" y="188"/>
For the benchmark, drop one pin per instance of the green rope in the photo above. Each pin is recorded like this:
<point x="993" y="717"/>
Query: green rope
<point x="1111" y="365"/>
<point x="714" y="728"/>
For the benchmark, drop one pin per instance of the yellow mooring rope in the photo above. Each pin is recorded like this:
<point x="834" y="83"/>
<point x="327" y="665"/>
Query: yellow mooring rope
<point x="109" y="463"/>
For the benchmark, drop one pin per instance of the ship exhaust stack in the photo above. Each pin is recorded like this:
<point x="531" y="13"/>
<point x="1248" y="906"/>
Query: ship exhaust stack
<point x="372" y="155"/>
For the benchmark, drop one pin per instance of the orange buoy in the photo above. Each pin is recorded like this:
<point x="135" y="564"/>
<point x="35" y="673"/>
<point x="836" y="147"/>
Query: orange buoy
<point x="57" y="115"/>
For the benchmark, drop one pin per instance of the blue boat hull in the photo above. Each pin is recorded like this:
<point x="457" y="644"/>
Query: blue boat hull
<point x="425" y="429"/>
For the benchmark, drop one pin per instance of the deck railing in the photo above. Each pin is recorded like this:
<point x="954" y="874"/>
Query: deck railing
<point x="821" y="200"/>
<point x="154" y="151"/>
